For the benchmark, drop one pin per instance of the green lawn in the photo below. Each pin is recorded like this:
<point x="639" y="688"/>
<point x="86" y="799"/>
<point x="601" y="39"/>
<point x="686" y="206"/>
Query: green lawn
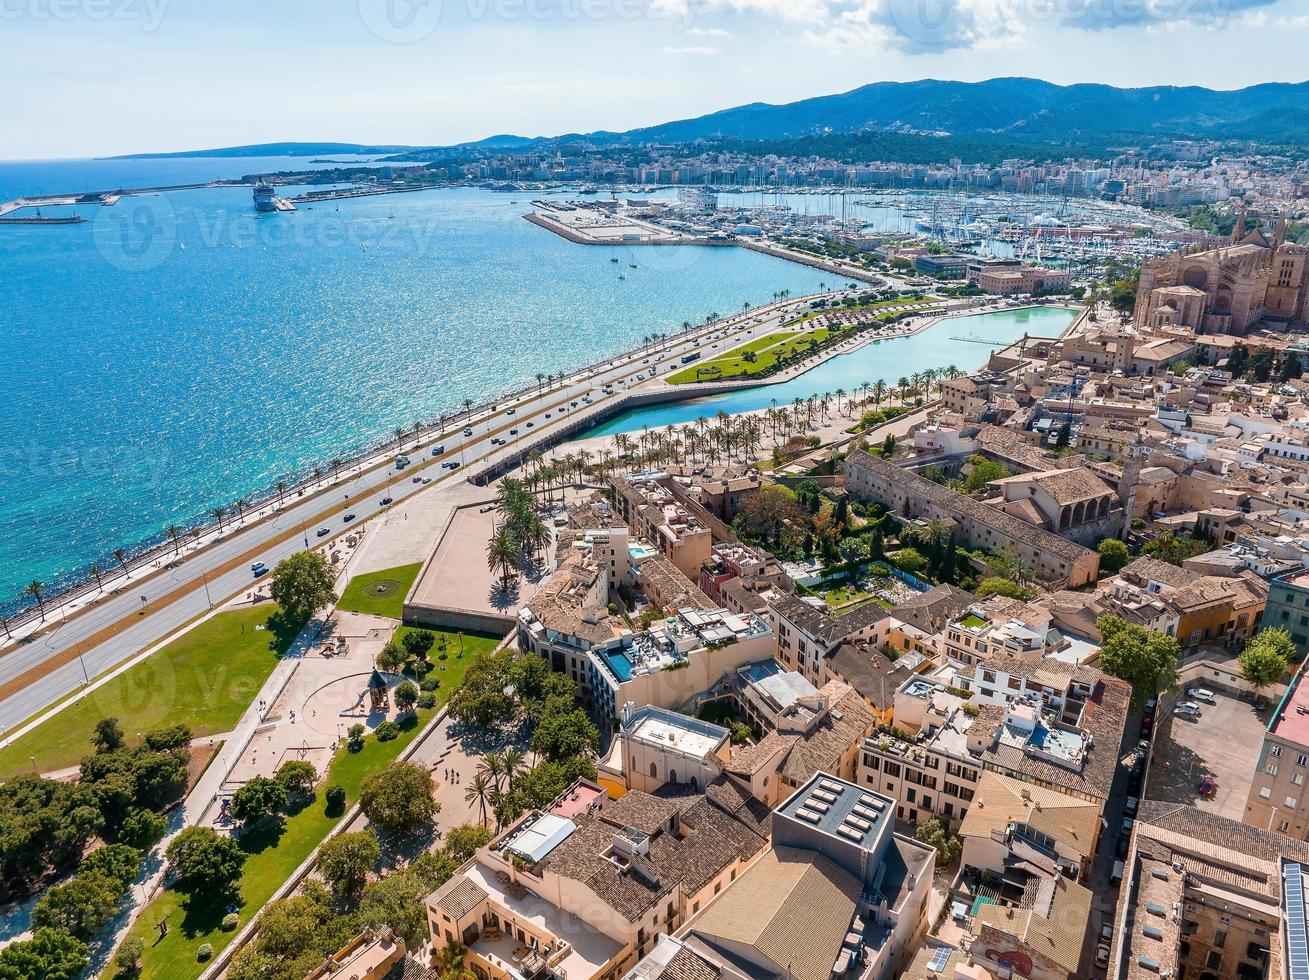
<point x="205" y="678"/>
<point x="471" y="644"/>
<point x="380" y="593"/>
<point x="769" y="349"/>
<point x="274" y="856"/>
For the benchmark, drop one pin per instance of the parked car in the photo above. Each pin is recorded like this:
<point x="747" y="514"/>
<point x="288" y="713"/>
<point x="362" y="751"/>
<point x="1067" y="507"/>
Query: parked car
<point x="1107" y="932"/>
<point x="1122" y="846"/>
<point x="1207" y="787"/>
<point x="1102" y="955"/>
<point x="1127" y="825"/>
<point x="1130" y="807"/>
<point x="1202" y="694"/>
<point x="1187" y="709"/>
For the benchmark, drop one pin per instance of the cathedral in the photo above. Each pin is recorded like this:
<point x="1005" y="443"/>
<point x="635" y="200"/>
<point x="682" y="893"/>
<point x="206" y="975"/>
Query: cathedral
<point x="1230" y="289"/>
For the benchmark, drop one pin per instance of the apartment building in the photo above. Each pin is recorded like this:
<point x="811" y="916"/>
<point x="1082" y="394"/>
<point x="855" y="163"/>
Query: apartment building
<point x="586" y="896"/>
<point x="1279" y="798"/>
<point x="1207" y="897"/>
<point x="650" y="509"/>
<point x="839" y="894"/>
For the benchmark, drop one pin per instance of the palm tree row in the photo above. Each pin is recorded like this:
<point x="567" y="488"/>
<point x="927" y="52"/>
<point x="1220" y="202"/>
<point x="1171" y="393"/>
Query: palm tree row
<point x="522" y="532"/>
<point x="494" y="780"/>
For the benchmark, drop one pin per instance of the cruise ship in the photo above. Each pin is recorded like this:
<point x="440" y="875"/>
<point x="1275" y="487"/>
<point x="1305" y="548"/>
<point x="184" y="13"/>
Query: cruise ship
<point x="264" y="197"/>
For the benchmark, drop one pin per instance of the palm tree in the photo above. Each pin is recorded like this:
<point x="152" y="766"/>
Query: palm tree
<point x="478" y="792"/>
<point x="4" y="625"/>
<point x="218" y="513"/>
<point x="174" y="532"/>
<point x="879" y="391"/>
<point x="502" y="553"/>
<point x="121" y="557"/>
<point x="242" y="505"/>
<point x="399" y="434"/>
<point x="97" y="571"/>
<point x="492" y="770"/>
<point x="35" y="590"/>
<point x="540" y="377"/>
<point x="281" y="489"/>
<point x="513" y="765"/>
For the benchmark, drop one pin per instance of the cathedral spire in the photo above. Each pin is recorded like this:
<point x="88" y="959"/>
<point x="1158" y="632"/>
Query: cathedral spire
<point x="1239" y="231"/>
<point x="1279" y="234"/>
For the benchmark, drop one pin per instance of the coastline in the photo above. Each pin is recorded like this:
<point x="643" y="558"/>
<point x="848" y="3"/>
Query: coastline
<point x="157" y="551"/>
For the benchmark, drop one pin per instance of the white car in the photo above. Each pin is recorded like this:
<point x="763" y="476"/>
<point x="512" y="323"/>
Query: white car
<point x="1102" y="955"/>
<point x="1187" y="709"/>
<point x="1202" y="694"/>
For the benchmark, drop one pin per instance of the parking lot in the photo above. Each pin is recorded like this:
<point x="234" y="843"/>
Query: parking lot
<point x="1222" y="744"/>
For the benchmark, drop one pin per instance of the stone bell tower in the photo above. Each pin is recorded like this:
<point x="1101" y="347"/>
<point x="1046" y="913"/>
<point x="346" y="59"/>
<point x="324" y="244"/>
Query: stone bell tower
<point x="1132" y="457"/>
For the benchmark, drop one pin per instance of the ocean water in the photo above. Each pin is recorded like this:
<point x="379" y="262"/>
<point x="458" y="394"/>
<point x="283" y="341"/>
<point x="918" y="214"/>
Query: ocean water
<point x="956" y="342"/>
<point x="176" y="352"/>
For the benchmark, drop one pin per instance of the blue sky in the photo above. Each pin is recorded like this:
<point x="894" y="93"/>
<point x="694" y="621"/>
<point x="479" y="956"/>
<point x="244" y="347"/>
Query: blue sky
<point x="96" y="77"/>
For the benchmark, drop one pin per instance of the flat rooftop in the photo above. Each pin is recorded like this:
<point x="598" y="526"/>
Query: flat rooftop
<point x="841" y="810"/>
<point x="686" y="739"/>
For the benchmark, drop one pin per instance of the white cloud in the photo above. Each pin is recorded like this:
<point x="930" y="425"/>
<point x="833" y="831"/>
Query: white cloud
<point x="708" y="32"/>
<point x="691" y="49"/>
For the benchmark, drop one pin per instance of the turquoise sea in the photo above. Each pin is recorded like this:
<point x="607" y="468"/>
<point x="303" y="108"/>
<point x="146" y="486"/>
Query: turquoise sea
<point x="177" y="352"/>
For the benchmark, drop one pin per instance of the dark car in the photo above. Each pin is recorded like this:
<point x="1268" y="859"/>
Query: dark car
<point x="1207" y="786"/>
<point x="385" y="500"/>
<point x="1122" y="845"/>
<point x="348" y="518"/>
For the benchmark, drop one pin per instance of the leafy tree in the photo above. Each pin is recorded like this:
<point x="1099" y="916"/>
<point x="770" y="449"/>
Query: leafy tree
<point x="398" y="799"/>
<point x="982" y="471"/>
<point x="51" y="954"/>
<point x="301" y="585"/>
<point x="207" y="863"/>
<point x="397" y="899"/>
<point x="1113" y="554"/>
<point x="108" y="735"/>
<point x="393" y="658"/>
<point x="1145" y="659"/>
<point x="417" y="642"/>
<point x="463" y="841"/>
<point x="118" y="862"/>
<point x="335" y="798"/>
<point x="406" y="696"/>
<point x="1173" y="548"/>
<point x="128" y="957"/>
<point x="741" y="733"/>
<point x="143" y="829"/>
<point x="909" y="559"/>
<point x="1266" y="657"/>
<point x="999" y="585"/>
<point x="565" y="735"/>
<point x="767" y="513"/>
<point x="81" y="907"/>
<point x="261" y="797"/>
<point x="936" y="834"/>
<point x="344" y="861"/>
<point x="297" y="777"/>
<point x="1064" y="437"/>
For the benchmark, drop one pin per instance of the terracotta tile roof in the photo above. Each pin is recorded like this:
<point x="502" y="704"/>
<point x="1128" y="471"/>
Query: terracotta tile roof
<point x="795" y="907"/>
<point x="870" y="672"/>
<point x="999" y="799"/>
<point x="965" y="508"/>
<point x="1056" y="932"/>
<point x="458" y="896"/>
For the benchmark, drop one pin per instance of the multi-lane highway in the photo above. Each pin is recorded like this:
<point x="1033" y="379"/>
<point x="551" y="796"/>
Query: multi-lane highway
<point x="36" y="674"/>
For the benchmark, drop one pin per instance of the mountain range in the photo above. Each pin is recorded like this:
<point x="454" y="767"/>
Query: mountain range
<point x="1014" y="109"/>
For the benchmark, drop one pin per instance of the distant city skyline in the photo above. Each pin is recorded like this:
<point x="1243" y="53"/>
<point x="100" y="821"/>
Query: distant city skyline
<point x="102" y="77"/>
